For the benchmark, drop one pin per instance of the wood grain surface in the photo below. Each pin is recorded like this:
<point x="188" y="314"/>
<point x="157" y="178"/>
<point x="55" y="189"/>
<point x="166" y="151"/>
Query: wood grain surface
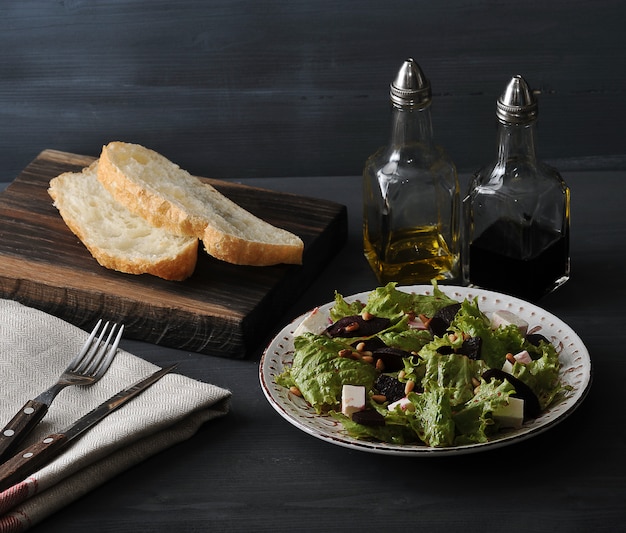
<point x="222" y="309"/>
<point x="242" y="88"/>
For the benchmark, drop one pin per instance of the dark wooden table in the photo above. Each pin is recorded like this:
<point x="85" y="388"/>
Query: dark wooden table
<point x="253" y="471"/>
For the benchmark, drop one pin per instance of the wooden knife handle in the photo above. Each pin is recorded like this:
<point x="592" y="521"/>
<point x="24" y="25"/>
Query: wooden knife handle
<point x="20" y="426"/>
<point x="31" y="459"/>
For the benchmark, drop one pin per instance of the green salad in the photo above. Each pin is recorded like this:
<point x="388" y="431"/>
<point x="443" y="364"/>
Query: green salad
<point x="431" y="370"/>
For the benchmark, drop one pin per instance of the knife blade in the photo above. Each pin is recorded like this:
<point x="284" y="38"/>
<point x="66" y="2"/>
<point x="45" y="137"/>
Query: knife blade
<point x="32" y="458"/>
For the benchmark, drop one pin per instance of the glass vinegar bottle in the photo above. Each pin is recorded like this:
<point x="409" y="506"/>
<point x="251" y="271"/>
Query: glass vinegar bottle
<point x="411" y="193"/>
<point x="517" y="211"/>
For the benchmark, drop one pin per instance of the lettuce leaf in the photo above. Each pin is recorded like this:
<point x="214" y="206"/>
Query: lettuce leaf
<point x="495" y="343"/>
<point x="474" y="421"/>
<point x="453" y="374"/>
<point x="432" y="420"/>
<point x="319" y="372"/>
<point x="410" y="340"/>
<point x="341" y="308"/>
<point x="389" y="302"/>
<point x="396" y="430"/>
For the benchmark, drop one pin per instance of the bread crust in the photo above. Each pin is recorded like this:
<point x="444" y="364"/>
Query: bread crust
<point x="212" y="225"/>
<point x="242" y="252"/>
<point x="175" y="268"/>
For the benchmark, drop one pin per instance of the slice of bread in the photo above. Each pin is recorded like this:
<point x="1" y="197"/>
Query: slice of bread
<point x="115" y="237"/>
<point x="167" y="196"/>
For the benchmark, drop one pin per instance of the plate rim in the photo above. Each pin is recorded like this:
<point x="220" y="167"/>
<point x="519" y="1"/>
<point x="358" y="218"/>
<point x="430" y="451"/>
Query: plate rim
<point x="506" y="439"/>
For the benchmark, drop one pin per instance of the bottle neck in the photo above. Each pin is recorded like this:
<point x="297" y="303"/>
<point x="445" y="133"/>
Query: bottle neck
<point x="516" y="142"/>
<point x="411" y="125"/>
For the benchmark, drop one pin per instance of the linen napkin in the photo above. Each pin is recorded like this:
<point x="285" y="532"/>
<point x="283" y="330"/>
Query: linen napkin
<point x="35" y="348"/>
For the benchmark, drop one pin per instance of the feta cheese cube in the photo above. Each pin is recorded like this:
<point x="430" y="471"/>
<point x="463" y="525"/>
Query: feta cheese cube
<point x="523" y="357"/>
<point x="506" y="318"/>
<point x="511" y="415"/>
<point x="352" y="399"/>
<point x="404" y="404"/>
<point x="315" y="322"/>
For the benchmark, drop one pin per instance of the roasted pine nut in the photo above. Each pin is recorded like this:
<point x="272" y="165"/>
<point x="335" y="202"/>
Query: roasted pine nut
<point x="425" y="320"/>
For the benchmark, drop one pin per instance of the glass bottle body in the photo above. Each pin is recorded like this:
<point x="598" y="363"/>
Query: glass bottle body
<point x="517" y="217"/>
<point x="411" y="201"/>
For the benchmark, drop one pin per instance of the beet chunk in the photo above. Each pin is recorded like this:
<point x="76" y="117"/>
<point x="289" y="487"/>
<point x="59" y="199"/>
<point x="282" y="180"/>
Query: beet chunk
<point x="356" y="326"/>
<point x="440" y="322"/>
<point x="392" y="388"/>
<point x="536" y="338"/>
<point x="445" y="350"/>
<point x="392" y="358"/>
<point x="368" y="417"/>
<point x="370" y="345"/>
<point x="532" y="409"/>
<point x="471" y="347"/>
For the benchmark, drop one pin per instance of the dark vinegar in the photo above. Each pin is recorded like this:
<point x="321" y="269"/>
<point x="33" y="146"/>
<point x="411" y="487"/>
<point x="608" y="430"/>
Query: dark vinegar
<point x="524" y="261"/>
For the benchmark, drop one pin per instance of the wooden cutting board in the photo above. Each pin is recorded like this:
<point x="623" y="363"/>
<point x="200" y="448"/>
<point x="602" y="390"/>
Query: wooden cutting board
<point x="224" y="310"/>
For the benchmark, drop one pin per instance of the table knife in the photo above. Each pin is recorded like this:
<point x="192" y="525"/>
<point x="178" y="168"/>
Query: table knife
<point x="32" y="458"/>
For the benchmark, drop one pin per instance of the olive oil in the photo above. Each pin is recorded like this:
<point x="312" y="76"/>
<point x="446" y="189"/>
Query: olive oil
<point x="411" y="193"/>
<point x="412" y="256"/>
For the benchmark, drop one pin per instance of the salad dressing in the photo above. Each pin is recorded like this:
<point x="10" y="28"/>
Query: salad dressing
<point x="419" y="253"/>
<point x="498" y="262"/>
<point x="517" y="210"/>
<point x="411" y="193"/>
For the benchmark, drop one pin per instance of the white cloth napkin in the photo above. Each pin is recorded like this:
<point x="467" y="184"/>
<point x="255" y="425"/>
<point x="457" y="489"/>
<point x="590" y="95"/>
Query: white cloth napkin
<point x="35" y="348"/>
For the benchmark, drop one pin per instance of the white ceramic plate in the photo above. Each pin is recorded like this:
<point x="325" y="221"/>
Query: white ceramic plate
<point x="575" y="371"/>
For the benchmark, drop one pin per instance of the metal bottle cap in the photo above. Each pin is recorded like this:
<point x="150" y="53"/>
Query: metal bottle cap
<point x="410" y="88"/>
<point x="517" y="105"/>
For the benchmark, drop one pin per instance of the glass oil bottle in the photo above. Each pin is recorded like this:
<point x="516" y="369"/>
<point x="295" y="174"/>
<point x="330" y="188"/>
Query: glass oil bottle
<point x="517" y="210"/>
<point x="411" y="193"/>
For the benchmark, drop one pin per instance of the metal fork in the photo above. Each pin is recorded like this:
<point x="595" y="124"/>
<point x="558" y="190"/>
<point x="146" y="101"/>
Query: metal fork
<point x="86" y="368"/>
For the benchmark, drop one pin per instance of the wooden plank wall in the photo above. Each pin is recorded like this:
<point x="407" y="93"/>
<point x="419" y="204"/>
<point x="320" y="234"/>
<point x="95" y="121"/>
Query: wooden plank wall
<point x="239" y="88"/>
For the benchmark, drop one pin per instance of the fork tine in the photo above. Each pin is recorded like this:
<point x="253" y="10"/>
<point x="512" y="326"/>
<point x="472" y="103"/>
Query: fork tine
<point x="92" y="352"/>
<point x="101" y="366"/>
<point x="74" y="363"/>
<point x="100" y="351"/>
